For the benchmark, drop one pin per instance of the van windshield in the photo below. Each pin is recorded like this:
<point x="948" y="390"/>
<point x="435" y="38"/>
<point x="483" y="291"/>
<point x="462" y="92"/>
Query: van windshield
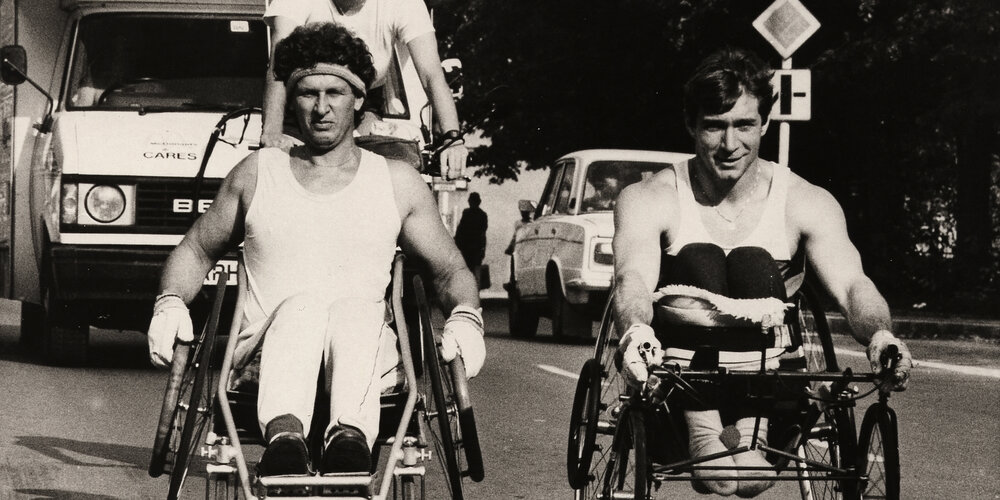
<point x="167" y="63"/>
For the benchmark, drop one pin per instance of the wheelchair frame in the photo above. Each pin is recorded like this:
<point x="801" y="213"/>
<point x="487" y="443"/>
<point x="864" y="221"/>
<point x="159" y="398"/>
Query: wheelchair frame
<point x="613" y="427"/>
<point x="439" y="397"/>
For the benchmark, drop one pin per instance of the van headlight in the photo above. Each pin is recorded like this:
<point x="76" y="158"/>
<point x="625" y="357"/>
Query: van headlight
<point x="603" y="253"/>
<point x="105" y="203"/>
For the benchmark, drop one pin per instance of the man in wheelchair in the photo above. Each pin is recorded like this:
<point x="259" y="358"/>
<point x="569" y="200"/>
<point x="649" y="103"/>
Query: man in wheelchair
<point x="728" y="225"/>
<point x="320" y="225"/>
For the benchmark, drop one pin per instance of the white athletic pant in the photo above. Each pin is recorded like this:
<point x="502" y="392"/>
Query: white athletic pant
<point x="349" y="338"/>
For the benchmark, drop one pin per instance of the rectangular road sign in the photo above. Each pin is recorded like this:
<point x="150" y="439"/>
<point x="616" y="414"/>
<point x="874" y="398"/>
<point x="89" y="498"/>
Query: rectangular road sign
<point x="793" y="95"/>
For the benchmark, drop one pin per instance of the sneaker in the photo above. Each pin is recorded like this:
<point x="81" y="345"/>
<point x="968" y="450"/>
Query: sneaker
<point x="346" y="451"/>
<point x="285" y="454"/>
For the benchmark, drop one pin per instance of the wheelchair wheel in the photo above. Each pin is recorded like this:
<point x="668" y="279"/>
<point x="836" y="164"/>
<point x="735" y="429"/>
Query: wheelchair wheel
<point x="817" y="341"/>
<point x="627" y="471"/>
<point x="186" y="411"/>
<point x="879" y="453"/>
<point x="447" y="411"/>
<point x="583" y="423"/>
<point x="830" y="442"/>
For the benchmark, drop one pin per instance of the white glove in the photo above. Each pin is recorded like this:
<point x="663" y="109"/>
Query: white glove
<point x="463" y="334"/>
<point x="896" y="380"/>
<point x="640" y="350"/>
<point x="171" y="322"/>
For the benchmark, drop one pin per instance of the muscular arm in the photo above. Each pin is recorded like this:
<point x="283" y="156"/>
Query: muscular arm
<point x="423" y="50"/>
<point x="637" y="253"/>
<point x="423" y="235"/>
<point x="837" y="262"/>
<point x="215" y="232"/>
<point x="274" y="91"/>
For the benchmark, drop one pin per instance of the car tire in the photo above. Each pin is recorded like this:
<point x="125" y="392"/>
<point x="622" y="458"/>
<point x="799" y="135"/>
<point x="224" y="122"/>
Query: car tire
<point x="522" y="318"/>
<point x="567" y="320"/>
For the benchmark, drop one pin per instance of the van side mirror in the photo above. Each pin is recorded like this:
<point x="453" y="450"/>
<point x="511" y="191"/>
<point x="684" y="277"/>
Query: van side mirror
<point x="527" y="208"/>
<point x="13" y="65"/>
<point x="453" y="75"/>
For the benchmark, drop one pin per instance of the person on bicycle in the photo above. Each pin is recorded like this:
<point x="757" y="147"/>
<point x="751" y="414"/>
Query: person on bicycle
<point x="320" y="225"/>
<point x="733" y="225"/>
<point x="383" y="25"/>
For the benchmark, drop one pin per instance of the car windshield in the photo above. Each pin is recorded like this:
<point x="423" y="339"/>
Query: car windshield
<point x="160" y="62"/>
<point x="607" y="178"/>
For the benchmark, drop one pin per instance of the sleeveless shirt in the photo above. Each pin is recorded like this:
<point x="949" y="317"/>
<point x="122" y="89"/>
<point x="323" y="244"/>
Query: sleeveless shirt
<point x="338" y="244"/>
<point x="770" y="233"/>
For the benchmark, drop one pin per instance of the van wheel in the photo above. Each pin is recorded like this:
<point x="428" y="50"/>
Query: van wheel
<point x="65" y="341"/>
<point x="522" y="319"/>
<point x="567" y="320"/>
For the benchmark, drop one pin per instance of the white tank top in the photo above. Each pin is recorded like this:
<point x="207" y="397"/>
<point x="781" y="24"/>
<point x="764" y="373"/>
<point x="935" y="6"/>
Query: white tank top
<point x="339" y="244"/>
<point x="769" y="233"/>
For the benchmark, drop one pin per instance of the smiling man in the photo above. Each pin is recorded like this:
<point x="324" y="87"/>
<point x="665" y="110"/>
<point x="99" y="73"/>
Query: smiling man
<point x="737" y="226"/>
<point x="320" y="226"/>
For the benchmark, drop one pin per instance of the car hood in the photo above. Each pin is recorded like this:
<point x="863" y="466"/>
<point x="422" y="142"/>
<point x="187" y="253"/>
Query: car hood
<point x="153" y="144"/>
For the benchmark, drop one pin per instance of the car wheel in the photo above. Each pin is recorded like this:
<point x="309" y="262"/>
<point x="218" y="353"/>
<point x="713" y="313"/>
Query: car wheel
<point x="522" y="318"/>
<point x="567" y="320"/>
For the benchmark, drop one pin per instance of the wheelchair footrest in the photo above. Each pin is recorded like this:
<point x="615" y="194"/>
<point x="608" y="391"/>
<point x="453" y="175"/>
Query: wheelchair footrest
<point x="347" y="485"/>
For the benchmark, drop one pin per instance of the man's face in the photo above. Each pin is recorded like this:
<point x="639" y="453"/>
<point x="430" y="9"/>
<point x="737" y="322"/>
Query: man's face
<point x="728" y="143"/>
<point x="324" y="106"/>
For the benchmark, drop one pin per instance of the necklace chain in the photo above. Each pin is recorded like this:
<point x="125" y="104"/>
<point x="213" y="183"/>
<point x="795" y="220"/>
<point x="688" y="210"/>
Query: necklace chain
<point x="731" y="221"/>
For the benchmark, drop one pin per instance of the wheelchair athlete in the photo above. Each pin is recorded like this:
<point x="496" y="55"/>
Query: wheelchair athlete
<point x="320" y="225"/>
<point x="734" y="226"/>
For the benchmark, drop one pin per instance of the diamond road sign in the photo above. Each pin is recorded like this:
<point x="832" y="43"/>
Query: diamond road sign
<point x="786" y="24"/>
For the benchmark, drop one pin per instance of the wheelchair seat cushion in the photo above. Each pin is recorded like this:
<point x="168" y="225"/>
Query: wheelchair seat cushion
<point x="689" y="305"/>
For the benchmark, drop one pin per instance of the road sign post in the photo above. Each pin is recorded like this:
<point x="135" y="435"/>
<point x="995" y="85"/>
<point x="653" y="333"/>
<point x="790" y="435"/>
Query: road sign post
<point x="786" y="24"/>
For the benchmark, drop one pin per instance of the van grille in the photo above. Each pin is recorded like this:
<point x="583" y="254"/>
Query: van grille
<point x="155" y="202"/>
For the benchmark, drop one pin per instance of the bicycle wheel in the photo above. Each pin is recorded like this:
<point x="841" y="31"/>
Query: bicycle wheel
<point x="583" y="423"/>
<point x="879" y="453"/>
<point x="627" y="472"/>
<point x="829" y="443"/>
<point x="439" y="403"/>
<point x="610" y="385"/>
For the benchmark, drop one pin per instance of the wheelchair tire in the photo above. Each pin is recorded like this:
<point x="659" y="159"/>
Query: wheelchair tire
<point x="467" y="421"/>
<point x="439" y="403"/>
<point x="628" y="473"/>
<point x="168" y="410"/>
<point x="817" y="340"/>
<point x="583" y="424"/>
<point x="879" y="453"/>
<point x="830" y="442"/>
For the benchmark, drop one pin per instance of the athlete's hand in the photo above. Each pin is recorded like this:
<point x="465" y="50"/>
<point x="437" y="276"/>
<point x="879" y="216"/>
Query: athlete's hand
<point x="171" y="323"/>
<point x="891" y="371"/>
<point x="463" y="335"/>
<point x="453" y="160"/>
<point x="640" y="350"/>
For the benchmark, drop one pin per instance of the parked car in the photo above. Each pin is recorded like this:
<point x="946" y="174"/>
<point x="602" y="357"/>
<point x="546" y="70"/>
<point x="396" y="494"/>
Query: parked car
<point x="561" y="262"/>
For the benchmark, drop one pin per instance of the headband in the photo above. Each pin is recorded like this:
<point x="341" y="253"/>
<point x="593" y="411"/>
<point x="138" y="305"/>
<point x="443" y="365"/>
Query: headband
<point x="327" y="69"/>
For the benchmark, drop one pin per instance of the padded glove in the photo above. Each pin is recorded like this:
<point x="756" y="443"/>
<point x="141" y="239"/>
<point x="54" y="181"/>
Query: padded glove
<point x="171" y="323"/>
<point x="640" y="350"/>
<point x="897" y="378"/>
<point x="463" y="335"/>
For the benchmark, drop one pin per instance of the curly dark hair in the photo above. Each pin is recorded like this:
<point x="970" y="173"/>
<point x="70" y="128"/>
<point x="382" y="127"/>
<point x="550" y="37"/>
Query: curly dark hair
<point x="323" y="43"/>
<point x="721" y="78"/>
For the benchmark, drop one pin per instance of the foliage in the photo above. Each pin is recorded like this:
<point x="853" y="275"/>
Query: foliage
<point x="905" y="122"/>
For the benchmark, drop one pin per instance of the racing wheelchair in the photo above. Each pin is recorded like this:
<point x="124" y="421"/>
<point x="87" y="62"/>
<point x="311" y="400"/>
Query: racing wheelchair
<point x="623" y="444"/>
<point x="207" y="420"/>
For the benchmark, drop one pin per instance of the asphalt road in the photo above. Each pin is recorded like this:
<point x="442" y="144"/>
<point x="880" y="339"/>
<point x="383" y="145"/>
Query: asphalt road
<point x="86" y="433"/>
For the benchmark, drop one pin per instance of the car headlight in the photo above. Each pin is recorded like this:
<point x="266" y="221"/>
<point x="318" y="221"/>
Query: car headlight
<point x="105" y="203"/>
<point x="603" y="254"/>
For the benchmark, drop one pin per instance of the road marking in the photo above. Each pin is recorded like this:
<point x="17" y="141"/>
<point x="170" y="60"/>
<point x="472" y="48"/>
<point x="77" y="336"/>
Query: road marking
<point x="558" y="371"/>
<point x="964" y="370"/>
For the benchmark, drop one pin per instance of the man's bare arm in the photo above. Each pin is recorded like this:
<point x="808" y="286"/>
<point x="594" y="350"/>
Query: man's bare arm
<point x="837" y="262"/>
<point x="215" y="232"/>
<point x="274" y="91"/>
<point x="424" y="236"/>
<point x="638" y="228"/>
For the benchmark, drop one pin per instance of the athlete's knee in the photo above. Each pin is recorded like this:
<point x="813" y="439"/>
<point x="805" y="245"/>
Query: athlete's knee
<point x="308" y="306"/>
